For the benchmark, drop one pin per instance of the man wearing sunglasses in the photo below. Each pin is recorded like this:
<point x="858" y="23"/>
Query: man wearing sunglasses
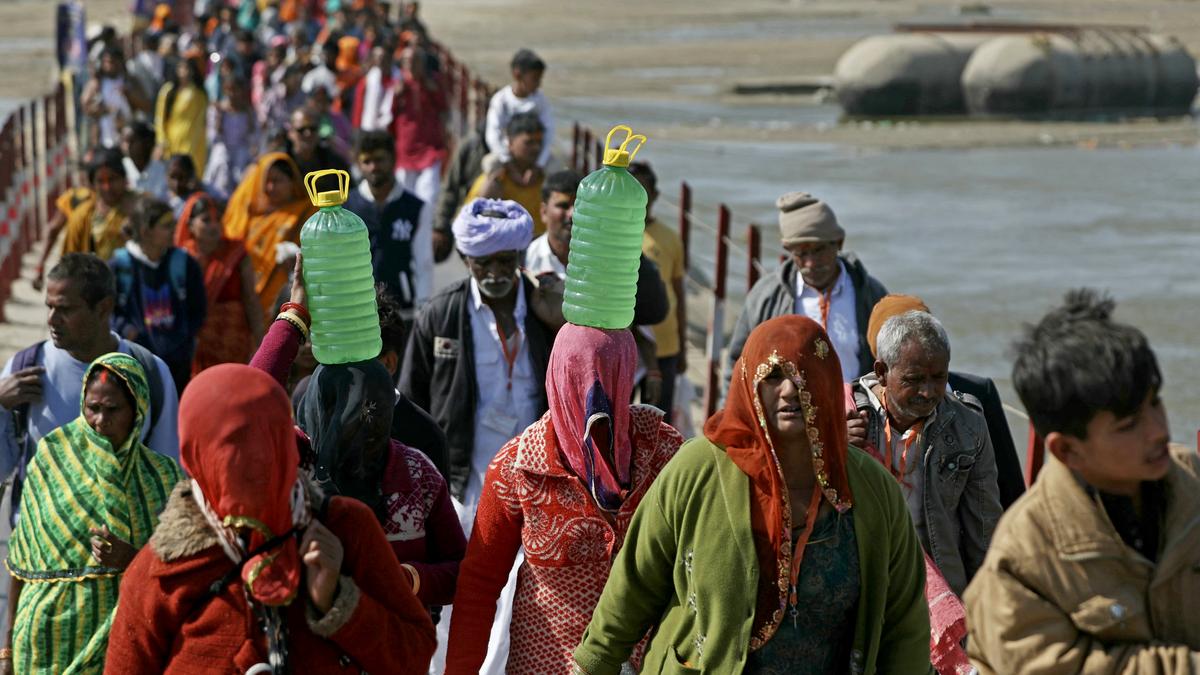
<point x="311" y="152"/>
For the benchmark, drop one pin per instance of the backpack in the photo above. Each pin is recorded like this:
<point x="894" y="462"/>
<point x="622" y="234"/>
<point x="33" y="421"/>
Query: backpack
<point x="32" y="356"/>
<point x="123" y="271"/>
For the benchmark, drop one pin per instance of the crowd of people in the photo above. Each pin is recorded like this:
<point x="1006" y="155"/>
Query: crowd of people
<point x="500" y="490"/>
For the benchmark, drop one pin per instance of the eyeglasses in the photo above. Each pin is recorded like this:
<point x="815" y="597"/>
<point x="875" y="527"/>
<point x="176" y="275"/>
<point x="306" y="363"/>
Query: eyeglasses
<point x="507" y="259"/>
<point x="305" y="131"/>
<point x="812" y="251"/>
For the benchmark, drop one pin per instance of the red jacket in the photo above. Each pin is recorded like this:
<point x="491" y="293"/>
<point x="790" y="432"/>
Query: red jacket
<point x="168" y="623"/>
<point x="531" y="499"/>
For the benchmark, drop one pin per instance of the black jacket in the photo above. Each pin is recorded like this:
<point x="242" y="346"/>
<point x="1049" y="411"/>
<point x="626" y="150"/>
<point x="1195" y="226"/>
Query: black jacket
<point x="1010" y="479"/>
<point x="439" y="370"/>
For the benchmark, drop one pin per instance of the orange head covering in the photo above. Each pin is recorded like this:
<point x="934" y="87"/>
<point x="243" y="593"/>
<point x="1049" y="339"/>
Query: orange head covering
<point x="252" y="218"/>
<point x="799" y="346"/>
<point x="887" y="307"/>
<point x="347" y="53"/>
<point x="162" y="12"/>
<point x="237" y="442"/>
<point x="250" y="200"/>
<point x="183" y="229"/>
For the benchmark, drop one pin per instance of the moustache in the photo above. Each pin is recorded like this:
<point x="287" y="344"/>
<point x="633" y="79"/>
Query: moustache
<point x="496" y="288"/>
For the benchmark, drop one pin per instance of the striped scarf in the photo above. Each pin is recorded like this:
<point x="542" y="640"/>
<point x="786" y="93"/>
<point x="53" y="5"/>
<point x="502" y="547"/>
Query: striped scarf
<point x="77" y="481"/>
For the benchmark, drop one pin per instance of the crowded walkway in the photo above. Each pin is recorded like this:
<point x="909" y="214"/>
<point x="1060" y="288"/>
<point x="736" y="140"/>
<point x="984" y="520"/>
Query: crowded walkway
<point x="461" y="438"/>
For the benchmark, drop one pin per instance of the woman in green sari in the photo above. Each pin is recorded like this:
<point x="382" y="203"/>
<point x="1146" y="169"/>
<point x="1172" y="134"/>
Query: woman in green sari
<point x="91" y="500"/>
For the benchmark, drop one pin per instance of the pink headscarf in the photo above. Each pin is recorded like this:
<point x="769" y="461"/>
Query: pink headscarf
<point x="590" y="377"/>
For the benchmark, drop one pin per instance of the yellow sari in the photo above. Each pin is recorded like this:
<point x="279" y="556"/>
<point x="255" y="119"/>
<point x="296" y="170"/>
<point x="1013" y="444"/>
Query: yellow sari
<point x="87" y="230"/>
<point x="251" y="218"/>
<point x="183" y="130"/>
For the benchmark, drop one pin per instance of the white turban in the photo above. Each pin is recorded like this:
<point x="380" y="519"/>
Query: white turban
<point x="487" y="226"/>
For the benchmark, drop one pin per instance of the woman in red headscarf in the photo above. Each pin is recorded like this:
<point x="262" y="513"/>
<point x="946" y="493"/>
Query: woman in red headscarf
<point x="234" y="322"/>
<point x="250" y="568"/>
<point x="709" y="556"/>
<point x="566" y="489"/>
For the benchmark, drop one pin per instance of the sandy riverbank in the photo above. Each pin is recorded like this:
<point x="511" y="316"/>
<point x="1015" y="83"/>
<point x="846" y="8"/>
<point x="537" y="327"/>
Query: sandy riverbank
<point x="27" y="42"/>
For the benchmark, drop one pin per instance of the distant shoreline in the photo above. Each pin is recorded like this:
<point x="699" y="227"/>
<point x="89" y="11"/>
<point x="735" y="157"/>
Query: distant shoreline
<point x="681" y="54"/>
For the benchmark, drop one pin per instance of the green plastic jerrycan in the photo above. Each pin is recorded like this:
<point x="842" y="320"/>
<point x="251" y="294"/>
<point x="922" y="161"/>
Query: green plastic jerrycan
<point x="338" y="277"/>
<point x="606" y="240"/>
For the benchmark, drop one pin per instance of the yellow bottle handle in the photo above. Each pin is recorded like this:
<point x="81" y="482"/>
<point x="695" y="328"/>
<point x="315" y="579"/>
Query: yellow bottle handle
<point x="342" y="193"/>
<point x="626" y="155"/>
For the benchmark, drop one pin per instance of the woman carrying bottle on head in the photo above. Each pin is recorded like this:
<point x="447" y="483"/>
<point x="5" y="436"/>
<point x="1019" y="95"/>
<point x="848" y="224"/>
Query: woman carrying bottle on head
<point x="566" y="489"/>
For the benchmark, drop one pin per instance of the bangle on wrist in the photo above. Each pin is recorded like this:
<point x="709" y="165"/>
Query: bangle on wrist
<point x="300" y="310"/>
<point x="297" y="323"/>
<point x="416" y="578"/>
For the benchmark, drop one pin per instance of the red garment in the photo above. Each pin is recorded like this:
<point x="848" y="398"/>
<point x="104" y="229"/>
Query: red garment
<point x="232" y="419"/>
<point x="589" y="369"/>
<point x="163" y="626"/>
<point x="225" y="336"/>
<point x="799" y="347"/>
<point x="278" y="350"/>
<point x="421" y="524"/>
<point x="947" y="624"/>
<point x="530" y="498"/>
<point x="419" y="126"/>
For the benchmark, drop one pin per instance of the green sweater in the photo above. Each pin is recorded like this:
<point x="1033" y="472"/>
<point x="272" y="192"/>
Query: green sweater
<point x="688" y="566"/>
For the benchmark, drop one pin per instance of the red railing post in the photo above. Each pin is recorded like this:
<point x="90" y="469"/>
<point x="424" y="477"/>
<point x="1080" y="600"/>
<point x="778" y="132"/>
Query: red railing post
<point x="716" y="326"/>
<point x="587" y="148"/>
<point x="462" y="90"/>
<point x="754" y="246"/>
<point x="481" y="102"/>
<point x="575" y="146"/>
<point x="1035" y="456"/>
<point x="685" y="214"/>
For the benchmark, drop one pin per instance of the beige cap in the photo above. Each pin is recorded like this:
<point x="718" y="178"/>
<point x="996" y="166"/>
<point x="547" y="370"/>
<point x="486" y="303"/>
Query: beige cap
<point x="803" y="218"/>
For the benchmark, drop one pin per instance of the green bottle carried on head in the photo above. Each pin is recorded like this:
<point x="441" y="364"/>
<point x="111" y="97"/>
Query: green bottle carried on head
<point x="338" y="277"/>
<point x="606" y="240"/>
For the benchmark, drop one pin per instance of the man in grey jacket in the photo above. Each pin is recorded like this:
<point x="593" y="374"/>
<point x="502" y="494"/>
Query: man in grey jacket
<point x="936" y="445"/>
<point x="817" y="280"/>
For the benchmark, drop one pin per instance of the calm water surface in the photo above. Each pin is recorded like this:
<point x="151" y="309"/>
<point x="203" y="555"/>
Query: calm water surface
<point x="990" y="238"/>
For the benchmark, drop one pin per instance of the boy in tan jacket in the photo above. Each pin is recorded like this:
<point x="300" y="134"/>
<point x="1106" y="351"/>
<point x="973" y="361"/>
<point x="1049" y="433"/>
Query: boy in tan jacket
<point x="1095" y="569"/>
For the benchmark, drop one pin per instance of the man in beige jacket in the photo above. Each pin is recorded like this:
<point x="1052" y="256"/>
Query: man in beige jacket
<point x="1094" y="570"/>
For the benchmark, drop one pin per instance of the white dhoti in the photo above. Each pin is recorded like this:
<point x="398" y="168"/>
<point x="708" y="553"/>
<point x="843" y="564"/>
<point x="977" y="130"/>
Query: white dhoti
<point x="497" y="653"/>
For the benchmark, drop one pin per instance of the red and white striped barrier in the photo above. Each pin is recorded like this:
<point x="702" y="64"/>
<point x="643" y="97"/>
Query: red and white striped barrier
<point x="34" y="168"/>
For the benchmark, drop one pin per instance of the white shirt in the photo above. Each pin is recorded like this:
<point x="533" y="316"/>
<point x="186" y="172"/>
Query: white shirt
<point x="842" y="324"/>
<point x="503" y="106"/>
<point x="112" y="95"/>
<point x="151" y="181"/>
<point x="377" y="100"/>
<point x="501" y="411"/>
<point x="540" y="258"/>
<point x="422" y="242"/>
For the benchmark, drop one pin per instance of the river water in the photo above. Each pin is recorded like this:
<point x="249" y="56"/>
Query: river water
<point x="990" y="238"/>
